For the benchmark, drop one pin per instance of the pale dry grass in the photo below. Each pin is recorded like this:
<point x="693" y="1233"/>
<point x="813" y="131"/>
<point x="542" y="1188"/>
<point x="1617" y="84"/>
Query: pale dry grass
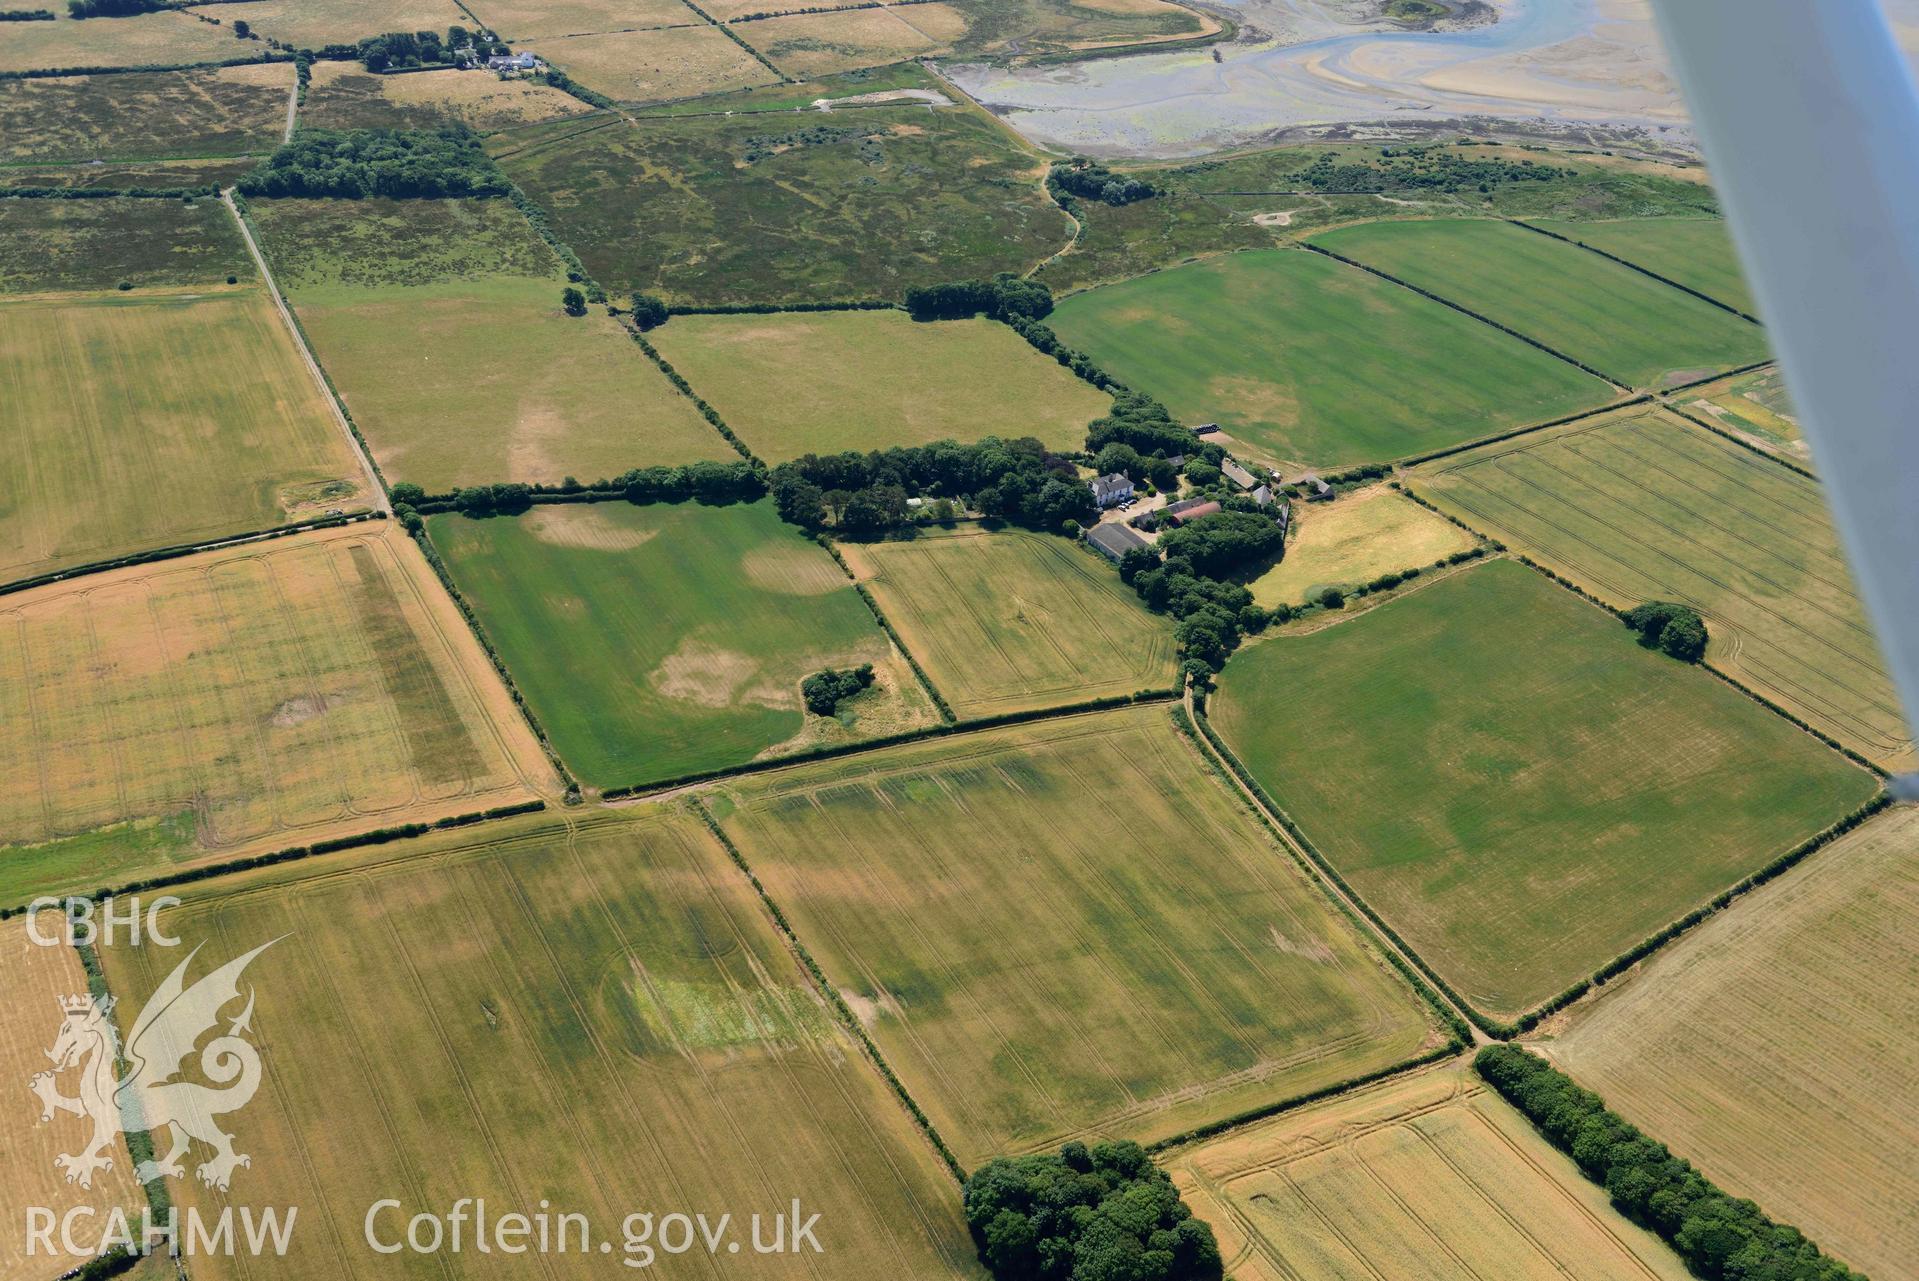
<point x="821" y="44"/>
<point x="655" y="66"/>
<point x="1777" y="1046"/>
<point x="310" y="24"/>
<point x="1430" y="1176"/>
<point x="33" y="979"/>
<point x="518" y="20"/>
<point x="345" y="95"/>
<point x="1357" y="537"/>
<point x="145" y="39"/>
<point x="219" y="705"/>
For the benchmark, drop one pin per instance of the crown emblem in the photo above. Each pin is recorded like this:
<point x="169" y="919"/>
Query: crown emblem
<point x="76" y="1004"/>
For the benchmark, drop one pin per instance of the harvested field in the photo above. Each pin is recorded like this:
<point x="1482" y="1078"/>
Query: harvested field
<point x="656" y="66"/>
<point x="1433" y="1176"/>
<point x="823" y="382"/>
<point x="681" y="657"/>
<point x="818" y="44"/>
<point x="1756" y="408"/>
<point x="48" y="246"/>
<point x="1696" y="252"/>
<point x="234" y="702"/>
<point x="161" y="39"/>
<point x="1009" y="909"/>
<point x="1647" y="507"/>
<point x="1624" y="324"/>
<point x="1505" y="776"/>
<point x="429" y="311"/>
<point x="1777" y="1046"/>
<point x="1353" y="540"/>
<point x="33" y="980"/>
<point x="346" y="96"/>
<point x="139" y="421"/>
<point x="813" y="208"/>
<point x="520" y="20"/>
<point x="313" y="24"/>
<point x="216" y="112"/>
<point x="1010" y="621"/>
<point x="594" y="1015"/>
<point x="1308" y="360"/>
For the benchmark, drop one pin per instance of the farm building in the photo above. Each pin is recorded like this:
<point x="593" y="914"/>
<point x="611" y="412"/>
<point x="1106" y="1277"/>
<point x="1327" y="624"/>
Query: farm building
<point x="1237" y="474"/>
<point x="1115" y="488"/>
<point x="1114" y="541"/>
<point x="1205" y="429"/>
<point x="1315" y="489"/>
<point x="1192" y="511"/>
<point x="513" y="63"/>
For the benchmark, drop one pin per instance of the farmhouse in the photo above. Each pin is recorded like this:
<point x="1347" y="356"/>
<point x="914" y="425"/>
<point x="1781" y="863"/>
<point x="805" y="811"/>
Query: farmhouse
<point x="1237" y="474"/>
<point x="1115" y="488"/>
<point x="1114" y="541"/>
<point x="513" y="63"/>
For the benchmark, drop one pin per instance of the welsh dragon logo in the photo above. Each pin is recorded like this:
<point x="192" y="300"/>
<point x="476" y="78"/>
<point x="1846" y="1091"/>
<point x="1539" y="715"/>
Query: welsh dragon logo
<point x="148" y="1097"/>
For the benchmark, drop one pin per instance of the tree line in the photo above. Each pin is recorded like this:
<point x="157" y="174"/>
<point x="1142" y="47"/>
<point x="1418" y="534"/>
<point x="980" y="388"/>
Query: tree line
<point x="423" y="48"/>
<point x="402" y="164"/>
<point x="1003" y="296"/>
<point x="1720" y="1237"/>
<point x="112" y="8"/>
<point x="865" y="495"/>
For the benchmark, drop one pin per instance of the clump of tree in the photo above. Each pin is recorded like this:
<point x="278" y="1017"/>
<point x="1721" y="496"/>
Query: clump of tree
<point x="824" y="691"/>
<point x="1100" y="1213"/>
<point x="1717" y="1235"/>
<point x="1671" y="628"/>
<point x="573" y="301"/>
<point x="1090" y="180"/>
<point x="1194" y="582"/>
<point x="649" y="312"/>
<point x="1003" y="296"/>
<point x="1139" y="421"/>
<point x="28" y="15"/>
<point x="1129" y="462"/>
<point x="397" y="49"/>
<point x="113" y="8"/>
<point x="865" y="495"/>
<point x="402" y="164"/>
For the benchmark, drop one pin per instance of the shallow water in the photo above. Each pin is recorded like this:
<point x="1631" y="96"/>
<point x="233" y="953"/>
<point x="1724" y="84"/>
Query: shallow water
<point x="1592" y="61"/>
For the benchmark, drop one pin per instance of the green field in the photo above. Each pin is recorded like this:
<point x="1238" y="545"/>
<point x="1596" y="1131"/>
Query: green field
<point x="681" y="657"/>
<point x="1009" y="621"/>
<point x="1517" y="787"/>
<point x="1622" y="323"/>
<point x="1696" y="252"/>
<point x="463" y="324"/>
<point x="49" y="246"/>
<point x="1069" y="928"/>
<point x="808" y="208"/>
<point x="216" y="112"/>
<point x="1644" y="506"/>
<point x="1307" y="360"/>
<point x="592" y="1016"/>
<point x="825" y="382"/>
<point x="138" y="421"/>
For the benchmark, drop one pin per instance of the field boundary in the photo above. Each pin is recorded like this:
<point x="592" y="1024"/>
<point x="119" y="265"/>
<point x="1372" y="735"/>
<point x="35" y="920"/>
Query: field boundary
<point x="1734" y="372"/>
<point x="685" y="389"/>
<point x="886" y="625"/>
<point x="177" y="550"/>
<point x="841" y="1011"/>
<point x="1740" y="441"/>
<point x="1415" y="460"/>
<point x="1463" y="310"/>
<point x="1644" y="271"/>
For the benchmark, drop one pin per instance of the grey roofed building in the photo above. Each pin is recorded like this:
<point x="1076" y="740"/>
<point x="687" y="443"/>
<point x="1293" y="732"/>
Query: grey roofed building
<point x="1263" y="496"/>
<point x="513" y="62"/>
<point x="1108" y="490"/>
<point x="1237" y="474"/>
<point x="1205" y="429"/>
<point x="1114" y="540"/>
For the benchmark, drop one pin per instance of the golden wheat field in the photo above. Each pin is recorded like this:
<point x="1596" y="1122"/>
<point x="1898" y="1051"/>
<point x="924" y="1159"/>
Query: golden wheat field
<point x="1360" y="536"/>
<point x="593" y="1015"/>
<point x="222" y="704"/>
<point x="1430" y="1176"/>
<point x="1777" y="1047"/>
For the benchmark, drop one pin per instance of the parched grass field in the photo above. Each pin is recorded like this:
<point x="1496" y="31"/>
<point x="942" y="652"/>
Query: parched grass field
<point x="1069" y="928"/>
<point x="1009" y="621"/>
<point x="346" y="96"/>
<point x="138" y="421"/>
<point x="592" y="1015"/>
<point x="815" y="44"/>
<point x="1309" y="360"/>
<point x="216" y="112"/>
<point x="1647" y="507"/>
<point x="435" y="332"/>
<point x="1757" y="408"/>
<point x="1431" y="1176"/>
<point x="33" y="980"/>
<point x="234" y="702"/>
<point x="657" y="65"/>
<point x="682" y="657"/>
<point x="1777" y="1046"/>
<point x="1513" y="783"/>
<point x="312" y="24"/>
<point x="1057" y="26"/>
<point x="823" y="382"/>
<point x="520" y="20"/>
<point x="165" y="38"/>
<point x="813" y="207"/>
<point x="49" y="246"/>
<point x="1357" y="538"/>
<point x="1622" y="323"/>
<point x="1696" y="252"/>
